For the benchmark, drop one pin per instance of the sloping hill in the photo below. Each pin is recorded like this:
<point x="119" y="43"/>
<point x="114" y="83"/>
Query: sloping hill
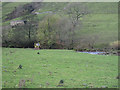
<point x="8" y="7"/>
<point x="100" y="8"/>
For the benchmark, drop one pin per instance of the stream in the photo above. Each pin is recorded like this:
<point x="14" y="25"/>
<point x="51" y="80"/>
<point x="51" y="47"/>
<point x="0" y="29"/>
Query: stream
<point x="101" y="53"/>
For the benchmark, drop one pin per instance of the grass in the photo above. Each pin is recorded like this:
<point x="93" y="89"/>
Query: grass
<point x="45" y="70"/>
<point x="8" y="7"/>
<point x="102" y="26"/>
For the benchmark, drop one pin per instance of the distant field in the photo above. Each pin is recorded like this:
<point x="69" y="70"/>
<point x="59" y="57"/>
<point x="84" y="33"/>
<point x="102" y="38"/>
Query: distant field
<point x="45" y="70"/>
<point x="102" y="28"/>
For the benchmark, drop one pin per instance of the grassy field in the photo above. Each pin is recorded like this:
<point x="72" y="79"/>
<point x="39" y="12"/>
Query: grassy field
<point x="101" y="28"/>
<point x="45" y="70"/>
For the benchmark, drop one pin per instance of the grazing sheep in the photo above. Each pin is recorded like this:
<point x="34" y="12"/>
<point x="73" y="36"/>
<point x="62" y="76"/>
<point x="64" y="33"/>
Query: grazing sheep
<point x="20" y="67"/>
<point x="38" y="53"/>
<point x="61" y="83"/>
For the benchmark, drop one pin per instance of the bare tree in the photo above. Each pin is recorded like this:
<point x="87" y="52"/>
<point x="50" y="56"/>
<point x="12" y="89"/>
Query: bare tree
<point x="76" y="11"/>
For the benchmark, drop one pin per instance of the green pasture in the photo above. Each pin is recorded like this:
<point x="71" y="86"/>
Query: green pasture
<point x="46" y="69"/>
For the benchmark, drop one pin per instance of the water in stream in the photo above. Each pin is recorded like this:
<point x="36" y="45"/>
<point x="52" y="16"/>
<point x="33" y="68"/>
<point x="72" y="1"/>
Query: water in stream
<point x="93" y="52"/>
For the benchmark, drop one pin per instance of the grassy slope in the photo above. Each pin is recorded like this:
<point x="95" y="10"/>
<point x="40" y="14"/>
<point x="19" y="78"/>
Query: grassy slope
<point x="76" y="69"/>
<point x="104" y="26"/>
<point x="103" y="7"/>
<point x="59" y="7"/>
<point x="8" y="7"/>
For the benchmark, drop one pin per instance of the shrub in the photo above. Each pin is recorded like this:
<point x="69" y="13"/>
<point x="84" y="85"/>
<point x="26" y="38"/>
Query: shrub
<point x="115" y="44"/>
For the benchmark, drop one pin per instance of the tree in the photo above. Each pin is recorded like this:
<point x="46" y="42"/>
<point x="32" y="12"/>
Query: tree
<point x="30" y="27"/>
<point x="62" y="32"/>
<point x="75" y="11"/>
<point x="23" y="35"/>
<point x="46" y="31"/>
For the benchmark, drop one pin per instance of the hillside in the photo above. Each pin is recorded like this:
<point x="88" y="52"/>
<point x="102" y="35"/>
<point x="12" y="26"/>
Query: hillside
<point x="107" y="7"/>
<point x="99" y="27"/>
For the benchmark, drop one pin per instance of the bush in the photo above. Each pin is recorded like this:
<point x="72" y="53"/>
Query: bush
<point x="115" y="44"/>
